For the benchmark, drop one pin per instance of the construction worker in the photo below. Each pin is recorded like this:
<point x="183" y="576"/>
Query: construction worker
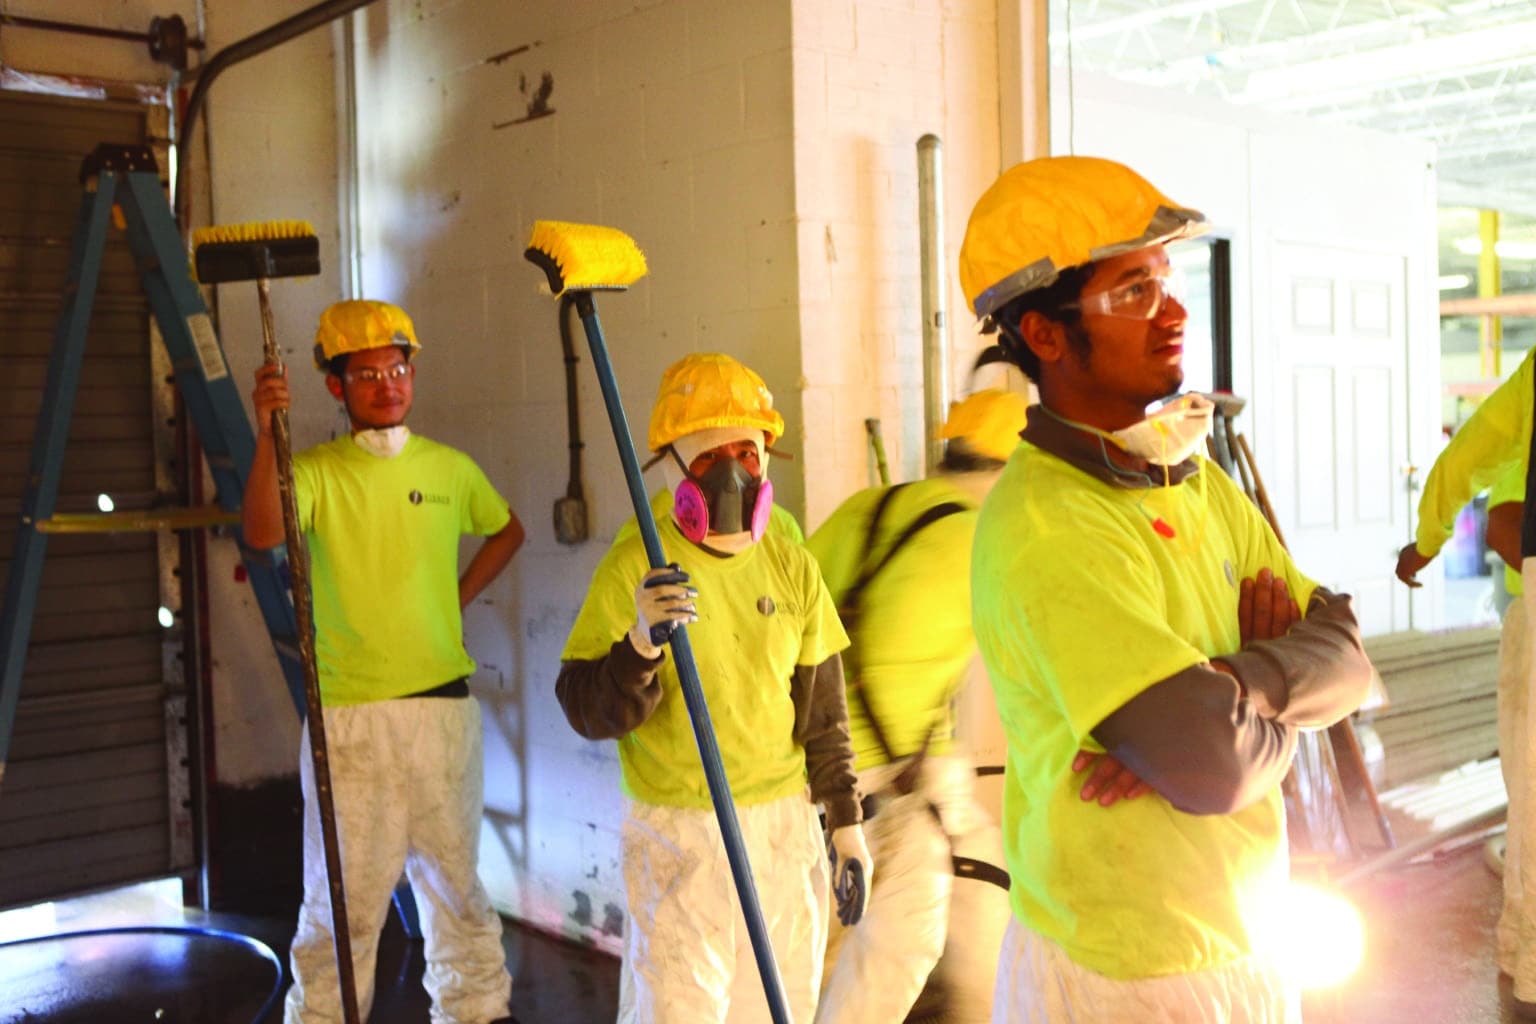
<point x="1115" y="580"/>
<point x="912" y="647"/>
<point x="382" y="511"/>
<point x="766" y="642"/>
<point x="1492" y="449"/>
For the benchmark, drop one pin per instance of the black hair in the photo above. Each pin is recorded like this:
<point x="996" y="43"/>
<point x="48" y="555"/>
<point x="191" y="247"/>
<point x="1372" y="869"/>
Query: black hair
<point x="960" y="457"/>
<point x="1057" y="302"/>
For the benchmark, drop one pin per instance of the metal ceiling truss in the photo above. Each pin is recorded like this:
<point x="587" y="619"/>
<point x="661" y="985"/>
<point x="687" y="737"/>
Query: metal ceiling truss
<point x="1458" y="73"/>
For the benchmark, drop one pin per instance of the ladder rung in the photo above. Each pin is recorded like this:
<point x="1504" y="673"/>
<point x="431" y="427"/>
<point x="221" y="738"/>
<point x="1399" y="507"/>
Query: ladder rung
<point x="138" y="520"/>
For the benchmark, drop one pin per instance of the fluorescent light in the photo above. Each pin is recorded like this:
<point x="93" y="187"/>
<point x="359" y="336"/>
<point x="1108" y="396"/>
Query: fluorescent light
<point x="165" y="617"/>
<point x="1424" y="58"/>
<point x="104" y="502"/>
<point x="1451" y="282"/>
<point x="1141" y="20"/>
<point x="1505" y="250"/>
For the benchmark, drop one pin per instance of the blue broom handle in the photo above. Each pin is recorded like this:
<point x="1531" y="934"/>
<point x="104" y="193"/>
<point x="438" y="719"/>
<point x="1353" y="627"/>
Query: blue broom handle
<point x="688" y="673"/>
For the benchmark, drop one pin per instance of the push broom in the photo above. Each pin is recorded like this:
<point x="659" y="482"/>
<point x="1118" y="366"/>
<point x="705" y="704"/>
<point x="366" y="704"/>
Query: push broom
<point x="259" y="252"/>
<point x="579" y="259"/>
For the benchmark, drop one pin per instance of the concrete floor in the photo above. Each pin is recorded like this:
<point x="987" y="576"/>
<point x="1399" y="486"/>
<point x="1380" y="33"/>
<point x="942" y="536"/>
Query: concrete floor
<point x="1429" y="949"/>
<point x="1429" y="961"/>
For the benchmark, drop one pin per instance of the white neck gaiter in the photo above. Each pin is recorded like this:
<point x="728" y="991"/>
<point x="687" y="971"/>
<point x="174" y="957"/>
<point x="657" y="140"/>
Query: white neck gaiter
<point x="384" y="443"/>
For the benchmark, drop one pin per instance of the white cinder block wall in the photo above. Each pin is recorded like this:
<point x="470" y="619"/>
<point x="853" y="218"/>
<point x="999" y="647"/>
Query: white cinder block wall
<point x="870" y="80"/>
<point x="763" y="155"/>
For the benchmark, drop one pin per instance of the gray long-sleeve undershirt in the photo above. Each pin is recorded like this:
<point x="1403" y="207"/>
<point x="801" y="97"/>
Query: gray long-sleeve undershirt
<point x="611" y="696"/>
<point x="1213" y="744"/>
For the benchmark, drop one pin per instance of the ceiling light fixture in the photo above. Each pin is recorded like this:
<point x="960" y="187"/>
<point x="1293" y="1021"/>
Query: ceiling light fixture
<point x="1432" y="57"/>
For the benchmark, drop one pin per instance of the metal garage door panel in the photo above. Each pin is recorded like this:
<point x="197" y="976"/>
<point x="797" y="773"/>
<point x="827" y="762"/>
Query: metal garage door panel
<point x="87" y="797"/>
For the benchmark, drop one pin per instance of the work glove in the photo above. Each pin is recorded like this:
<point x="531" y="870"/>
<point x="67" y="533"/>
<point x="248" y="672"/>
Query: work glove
<point x="852" y="868"/>
<point x="663" y="601"/>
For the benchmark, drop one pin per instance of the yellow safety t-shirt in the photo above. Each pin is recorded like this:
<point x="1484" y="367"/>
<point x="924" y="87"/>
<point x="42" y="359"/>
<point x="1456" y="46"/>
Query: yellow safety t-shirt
<point x="761" y="613"/>
<point x="913" y="639"/>
<point x="1494" y="441"/>
<point x="1510" y="486"/>
<point x="383" y="538"/>
<point x="1080" y="602"/>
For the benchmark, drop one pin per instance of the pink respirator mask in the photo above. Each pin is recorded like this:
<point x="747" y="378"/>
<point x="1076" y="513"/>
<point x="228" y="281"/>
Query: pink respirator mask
<point x="727" y="499"/>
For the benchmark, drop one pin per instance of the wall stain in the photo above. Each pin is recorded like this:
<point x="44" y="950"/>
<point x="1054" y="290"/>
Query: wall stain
<point x="613" y="920"/>
<point x="538" y="100"/>
<point x="582" y="915"/>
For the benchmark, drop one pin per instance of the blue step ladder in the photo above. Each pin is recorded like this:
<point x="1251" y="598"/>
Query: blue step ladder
<point x="126" y="178"/>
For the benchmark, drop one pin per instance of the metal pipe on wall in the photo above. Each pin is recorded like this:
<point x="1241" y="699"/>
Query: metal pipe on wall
<point x="930" y="226"/>
<point x="233" y="54"/>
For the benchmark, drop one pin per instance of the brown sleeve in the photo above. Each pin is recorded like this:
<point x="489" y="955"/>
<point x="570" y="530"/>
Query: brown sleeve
<point x="1314" y="675"/>
<point x="607" y="697"/>
<point x="1198" y="741"/>
<point x="821" y="727"/>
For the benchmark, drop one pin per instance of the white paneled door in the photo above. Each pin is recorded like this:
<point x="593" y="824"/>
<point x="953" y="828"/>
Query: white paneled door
<point x="1338" y="340"/>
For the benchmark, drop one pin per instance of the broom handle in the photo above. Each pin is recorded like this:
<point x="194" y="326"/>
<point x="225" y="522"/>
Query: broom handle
<point x="688" y="673"/>
<point x="298" y="567"/>
<point x="1261" y="495"/>
<point x="1344" y="726"/>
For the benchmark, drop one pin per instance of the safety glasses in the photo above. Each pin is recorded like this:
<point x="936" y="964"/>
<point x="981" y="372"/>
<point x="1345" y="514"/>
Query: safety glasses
<point x="378" y="375"/>
<point x="1143" y="299"/>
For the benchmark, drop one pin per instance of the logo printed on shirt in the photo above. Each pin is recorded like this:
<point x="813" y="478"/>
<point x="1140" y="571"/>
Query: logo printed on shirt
<point x="417" y="498"/>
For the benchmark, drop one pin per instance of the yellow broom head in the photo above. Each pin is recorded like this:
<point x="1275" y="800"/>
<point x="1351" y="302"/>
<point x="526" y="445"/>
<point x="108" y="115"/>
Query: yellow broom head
<point x="261" y="249"/>
<point x="254" y="231"/>
<point x="584" y="257"/>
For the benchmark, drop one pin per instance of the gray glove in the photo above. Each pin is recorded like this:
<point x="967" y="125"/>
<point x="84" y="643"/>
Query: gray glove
<point x="851" y="867"/>
<point x="663" y="601"/>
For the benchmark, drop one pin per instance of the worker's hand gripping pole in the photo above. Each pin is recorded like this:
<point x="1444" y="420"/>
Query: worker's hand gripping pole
<point x="298" y="567"/>
<point x="577" y="259"/>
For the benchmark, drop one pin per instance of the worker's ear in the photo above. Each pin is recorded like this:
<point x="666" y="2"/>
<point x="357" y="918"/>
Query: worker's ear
<point x="1046" y="338"/>
<point x="333" y="385"/>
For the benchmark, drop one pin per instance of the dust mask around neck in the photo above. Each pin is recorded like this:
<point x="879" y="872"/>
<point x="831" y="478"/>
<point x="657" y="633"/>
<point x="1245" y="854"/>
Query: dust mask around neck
<point x="1172" y="433"/>
<point x="384" y="443"/>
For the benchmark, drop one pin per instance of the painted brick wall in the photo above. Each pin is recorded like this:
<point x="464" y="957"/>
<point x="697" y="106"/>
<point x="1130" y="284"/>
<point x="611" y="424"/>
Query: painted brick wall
<point x="741" y="144"/>
<point x="669" y="120"/>
<point x="870" y="79"/>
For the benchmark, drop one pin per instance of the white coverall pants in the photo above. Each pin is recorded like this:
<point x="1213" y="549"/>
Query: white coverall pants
<point x="407" y="783"/>
<point x="687" y="956"/>
<point x="1037" y="983"/>
<point x="1517" y="925"/>
<point x="876" y="969"/>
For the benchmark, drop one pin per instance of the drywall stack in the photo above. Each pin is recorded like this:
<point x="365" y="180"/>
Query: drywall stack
<point x="1440" y="711"/>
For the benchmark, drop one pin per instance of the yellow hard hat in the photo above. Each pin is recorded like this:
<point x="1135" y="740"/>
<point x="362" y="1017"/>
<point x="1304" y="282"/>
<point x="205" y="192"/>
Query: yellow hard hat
<point x="709" y="389"/>
<point x="1044" y="216"/>
<point x="361" y="324"/>
<point x="988" y="421"/>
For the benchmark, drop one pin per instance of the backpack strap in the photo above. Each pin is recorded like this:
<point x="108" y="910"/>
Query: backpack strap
<point x="849" y="610"/>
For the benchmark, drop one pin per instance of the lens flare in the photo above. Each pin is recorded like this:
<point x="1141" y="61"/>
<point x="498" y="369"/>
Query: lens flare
<point x="1316" y="937"/>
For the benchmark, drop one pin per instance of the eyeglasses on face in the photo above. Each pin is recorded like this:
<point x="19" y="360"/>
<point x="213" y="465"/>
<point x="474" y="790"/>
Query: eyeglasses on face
<point x="378" y="375"/>
<point x="1142" y="299"/>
